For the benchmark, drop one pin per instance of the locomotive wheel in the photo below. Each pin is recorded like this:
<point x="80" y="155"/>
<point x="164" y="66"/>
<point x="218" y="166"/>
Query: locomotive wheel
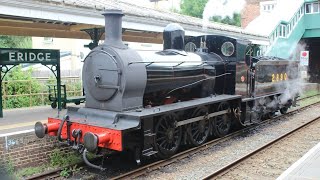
<point x="168" y="137"/>
<point x="54" y="105"/>
<point x="222" y="123"/>
<point x="271" y="114"/>
<point x="198" y="132"/>
<point x="284" y="110"/>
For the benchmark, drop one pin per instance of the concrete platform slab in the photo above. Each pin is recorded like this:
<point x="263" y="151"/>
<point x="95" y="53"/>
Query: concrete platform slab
<point x="25" y="118"/>
<point x="307" y="167"/>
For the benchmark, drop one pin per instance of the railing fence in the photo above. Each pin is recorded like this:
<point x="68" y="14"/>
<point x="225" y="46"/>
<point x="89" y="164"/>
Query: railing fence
<point x="34" y="92"/>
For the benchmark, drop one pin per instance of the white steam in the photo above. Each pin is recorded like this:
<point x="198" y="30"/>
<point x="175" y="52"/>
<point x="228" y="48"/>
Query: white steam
<point x="221" y="8"/>
<point x="289" y="89"/>
<point x="266" y="22"/>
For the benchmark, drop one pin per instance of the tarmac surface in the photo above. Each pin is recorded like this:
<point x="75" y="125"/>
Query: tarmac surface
<point x="24" y="118"/>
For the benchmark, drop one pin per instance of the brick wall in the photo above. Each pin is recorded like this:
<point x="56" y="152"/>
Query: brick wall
<point x="26" y="149"/>
<point x="249" y="13"/>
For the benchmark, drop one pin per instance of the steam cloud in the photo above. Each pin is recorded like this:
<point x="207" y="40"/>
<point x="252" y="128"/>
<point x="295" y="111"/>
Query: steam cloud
<point x="221" y="8"/>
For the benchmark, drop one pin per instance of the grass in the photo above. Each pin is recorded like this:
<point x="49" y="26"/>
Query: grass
<point x="309" y="101"/>
<point x="310" y="93"/>
<point x="62" y="159"/>
<point x="72" y="170"/>
<point x="57" y="158"/>
<point x="29" y="171"/>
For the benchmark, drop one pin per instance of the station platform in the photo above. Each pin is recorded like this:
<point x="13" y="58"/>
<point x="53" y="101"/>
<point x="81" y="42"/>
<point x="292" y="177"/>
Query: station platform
<point x="307" y="167"/>
<point x="23" y="119"/>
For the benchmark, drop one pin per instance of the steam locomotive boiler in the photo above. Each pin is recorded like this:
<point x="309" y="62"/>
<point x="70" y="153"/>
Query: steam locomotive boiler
<point x="151" y="103"/>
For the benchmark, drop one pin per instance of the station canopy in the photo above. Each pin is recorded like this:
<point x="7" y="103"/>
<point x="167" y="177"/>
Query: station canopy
<point x="67" y="19"/>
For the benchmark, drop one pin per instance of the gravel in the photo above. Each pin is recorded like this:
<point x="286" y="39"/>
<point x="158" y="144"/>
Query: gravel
<point x="271" y="162"/>
<point x="199" y="165"/>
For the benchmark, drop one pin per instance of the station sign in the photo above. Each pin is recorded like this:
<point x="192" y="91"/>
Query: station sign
<point x="18" y="56"/>
<point x="304" y="58"/>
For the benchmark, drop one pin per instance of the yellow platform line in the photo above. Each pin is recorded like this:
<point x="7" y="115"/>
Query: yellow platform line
<point x="12" y="126"/>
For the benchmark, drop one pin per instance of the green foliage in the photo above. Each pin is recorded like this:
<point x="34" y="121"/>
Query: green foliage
<point x="10" y="166"/>
<point x="195" y="9"/>
<point x="235" y="20"/>
<point x="21" y="90"/>
<point x="15" y="42"/>
<point x="29" y="171"/>
<point x="52" y="80"/>
<point x="91" y="156"/>
<point x="66" y="172"/>
<point x="6" y="168"/>
<point x="310" y="93"/>
<point x="19" y="83"/>
<point x="73" y="86"/>
<point x="60" y="158"/>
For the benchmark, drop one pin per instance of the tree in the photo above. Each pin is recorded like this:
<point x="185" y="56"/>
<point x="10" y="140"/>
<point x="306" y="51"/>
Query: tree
<point x="15" y="88"/>
<point x="15" y="42"/>
<point x="235" y="20"/>
<point x="195" y="9"/>
<point x="19" y="87"/>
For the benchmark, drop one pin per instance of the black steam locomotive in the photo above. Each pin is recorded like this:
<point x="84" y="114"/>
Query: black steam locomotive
<point x="151" y="103"/>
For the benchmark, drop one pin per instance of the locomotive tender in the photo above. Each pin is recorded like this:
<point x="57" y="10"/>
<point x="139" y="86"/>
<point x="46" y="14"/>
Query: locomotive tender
<point x="151" y="103"/>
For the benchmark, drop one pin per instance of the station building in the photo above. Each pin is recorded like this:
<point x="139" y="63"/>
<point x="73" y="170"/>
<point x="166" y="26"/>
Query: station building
<point x="292" y="27"/>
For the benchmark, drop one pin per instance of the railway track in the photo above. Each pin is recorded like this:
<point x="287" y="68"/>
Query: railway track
<point x="159" y="164"/>
<point x="308" y="97"/>
<point x="55" y="174"/>
<point x="232" y="165"/>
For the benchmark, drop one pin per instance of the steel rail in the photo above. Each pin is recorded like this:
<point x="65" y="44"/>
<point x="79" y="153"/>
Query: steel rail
<point x="228" y="167"/>
<point x="156" y="165"/>
<point x="308" y="97"/>
<point x="54" y="174"/>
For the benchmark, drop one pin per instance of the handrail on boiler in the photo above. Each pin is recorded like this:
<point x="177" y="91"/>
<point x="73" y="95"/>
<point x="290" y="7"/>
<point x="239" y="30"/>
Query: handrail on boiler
<point x="178" y="62"/>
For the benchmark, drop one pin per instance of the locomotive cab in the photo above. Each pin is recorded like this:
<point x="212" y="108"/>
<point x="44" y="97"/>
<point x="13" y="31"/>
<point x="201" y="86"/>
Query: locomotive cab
<point x="228" y="56"/>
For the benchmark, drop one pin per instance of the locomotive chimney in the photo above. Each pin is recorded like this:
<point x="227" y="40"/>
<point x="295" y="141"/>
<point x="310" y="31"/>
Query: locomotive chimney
<point x="113" y="28"/>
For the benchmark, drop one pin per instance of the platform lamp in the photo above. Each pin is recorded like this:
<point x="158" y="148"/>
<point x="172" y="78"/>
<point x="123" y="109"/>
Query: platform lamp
<point x="95" y="35"/>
